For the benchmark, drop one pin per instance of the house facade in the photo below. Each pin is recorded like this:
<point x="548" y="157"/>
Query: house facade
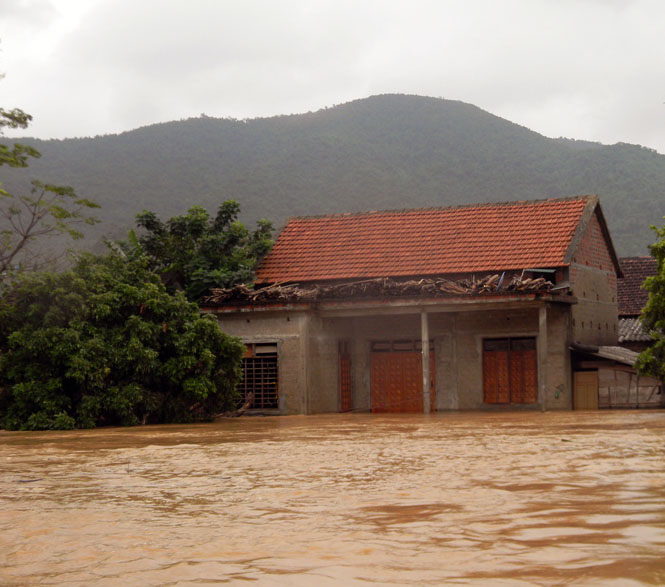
<point x="464" y="308"/>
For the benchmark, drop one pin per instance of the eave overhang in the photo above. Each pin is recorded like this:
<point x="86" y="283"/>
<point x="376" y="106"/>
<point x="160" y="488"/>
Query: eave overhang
<point x="406" y="305"/>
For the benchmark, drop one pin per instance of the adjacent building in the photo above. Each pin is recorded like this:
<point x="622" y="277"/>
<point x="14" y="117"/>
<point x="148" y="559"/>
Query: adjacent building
<point x="632" y="297"/>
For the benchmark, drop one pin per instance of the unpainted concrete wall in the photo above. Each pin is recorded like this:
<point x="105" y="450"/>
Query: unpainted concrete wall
<point x="289" y="331"/>
<point x="594" y="283"/>
<point x="309" y="353"/>
<point x="459" y="354"/>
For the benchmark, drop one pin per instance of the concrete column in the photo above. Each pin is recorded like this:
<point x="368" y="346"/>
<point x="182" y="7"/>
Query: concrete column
<point x="542" y="356"/>
<point x="424" y="335"/>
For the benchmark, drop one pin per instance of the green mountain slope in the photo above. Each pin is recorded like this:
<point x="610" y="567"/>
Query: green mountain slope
<point x="389" y="151"/>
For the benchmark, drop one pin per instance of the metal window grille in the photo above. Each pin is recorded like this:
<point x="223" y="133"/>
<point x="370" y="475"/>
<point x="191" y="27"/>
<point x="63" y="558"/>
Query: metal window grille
<point x="261" y="377"/>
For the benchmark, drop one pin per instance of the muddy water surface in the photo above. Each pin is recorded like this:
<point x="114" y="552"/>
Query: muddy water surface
<point x="486" y="499"/>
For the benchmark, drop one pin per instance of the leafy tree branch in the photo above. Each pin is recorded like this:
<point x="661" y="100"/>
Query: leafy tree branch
<point x="652" y="360"/>
<point x="47" y="210"/>
<point x="195" y="252"/>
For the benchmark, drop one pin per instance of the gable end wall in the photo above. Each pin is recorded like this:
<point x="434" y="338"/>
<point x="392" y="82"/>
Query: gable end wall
<point x="594" y="283"/>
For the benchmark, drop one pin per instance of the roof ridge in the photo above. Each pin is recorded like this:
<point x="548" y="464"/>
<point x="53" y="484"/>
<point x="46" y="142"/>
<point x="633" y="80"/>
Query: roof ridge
<point x="437" y="208"/>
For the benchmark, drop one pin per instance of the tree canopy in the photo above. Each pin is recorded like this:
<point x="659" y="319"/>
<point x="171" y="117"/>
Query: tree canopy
<point x="652" y="360"/>
<point x="195" y="252"/>
<point x="105" y="343"/>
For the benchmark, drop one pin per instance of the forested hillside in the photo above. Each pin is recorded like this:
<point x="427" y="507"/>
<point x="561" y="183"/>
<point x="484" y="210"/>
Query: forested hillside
<point x="390" y="151"/>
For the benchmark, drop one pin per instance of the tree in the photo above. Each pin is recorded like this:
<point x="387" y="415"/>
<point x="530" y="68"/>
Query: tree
<point x="17" y="155"/>
<point x="652" y="360"/>
<point x="105" y="343"/>
<point x="195" y="252"/>
<point x="47" y="210"/>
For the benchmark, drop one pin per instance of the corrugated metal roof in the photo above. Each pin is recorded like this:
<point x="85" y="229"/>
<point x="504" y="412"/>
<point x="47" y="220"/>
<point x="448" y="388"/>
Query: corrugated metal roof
<point x="435" y="241"/>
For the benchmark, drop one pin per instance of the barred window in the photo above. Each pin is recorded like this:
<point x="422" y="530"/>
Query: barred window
<point x="260" y="378"/>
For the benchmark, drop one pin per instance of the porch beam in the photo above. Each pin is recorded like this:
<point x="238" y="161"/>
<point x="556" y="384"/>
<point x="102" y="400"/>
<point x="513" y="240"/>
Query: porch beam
<point x="326" y="310"/>
<point x="424" y="335"/>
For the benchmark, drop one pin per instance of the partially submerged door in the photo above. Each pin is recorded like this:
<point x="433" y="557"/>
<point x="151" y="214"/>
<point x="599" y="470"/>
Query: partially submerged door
<point x="345" y="391"/>
<point x="510" y="371"/>
<point x="585" y="396"/>
<point x="396" y="381"/>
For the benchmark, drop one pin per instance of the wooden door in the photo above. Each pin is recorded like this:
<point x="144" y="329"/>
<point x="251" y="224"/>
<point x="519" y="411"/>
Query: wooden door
<point x="496" y="377"/>
<point x="585" y="396"/>
<point x="396" y="382"/>
<point x="510" y="371"/>
<point x="345" y="393"/>
<point x="523" y="377"/>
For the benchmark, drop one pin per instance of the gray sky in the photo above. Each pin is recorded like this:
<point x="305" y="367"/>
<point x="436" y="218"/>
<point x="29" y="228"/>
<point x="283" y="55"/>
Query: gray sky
<point x="585" y="69"/>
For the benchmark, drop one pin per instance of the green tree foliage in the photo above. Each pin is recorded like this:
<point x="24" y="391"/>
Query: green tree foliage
<point x="195" y="252"/>
<point x="16" y="155"/>
<point x="105" y="344"/>
<point x="47" y="210"/>
<point x="652" y="360"/>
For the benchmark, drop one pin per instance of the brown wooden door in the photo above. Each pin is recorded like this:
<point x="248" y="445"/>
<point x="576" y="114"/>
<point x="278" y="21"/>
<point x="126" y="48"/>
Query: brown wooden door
<point x="523" y="377"/>
<point x="585" y="396"/>
<point x="496" y="377"/>
<point x="345" y="382"/>
<point x="396" y="382"/>
<point x="510" y="371"/>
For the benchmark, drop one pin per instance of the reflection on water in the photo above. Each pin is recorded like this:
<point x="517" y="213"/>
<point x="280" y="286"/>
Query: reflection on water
<point x="501" y="499"/>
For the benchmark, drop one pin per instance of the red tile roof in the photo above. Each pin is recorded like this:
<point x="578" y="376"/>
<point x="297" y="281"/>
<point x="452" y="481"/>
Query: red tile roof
<point x="631" y="296"/>
<point x="434" y="241"/>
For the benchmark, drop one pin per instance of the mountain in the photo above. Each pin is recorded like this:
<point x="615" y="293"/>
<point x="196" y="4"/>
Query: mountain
<point x="388" y="151"/>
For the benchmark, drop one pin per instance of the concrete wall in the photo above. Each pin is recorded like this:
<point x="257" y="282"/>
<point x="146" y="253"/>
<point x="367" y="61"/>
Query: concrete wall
<point x="289" y="331"/>
<point x="309" y="356"/>
<point x="458" y="343"/>
<point x="594" y="283"/>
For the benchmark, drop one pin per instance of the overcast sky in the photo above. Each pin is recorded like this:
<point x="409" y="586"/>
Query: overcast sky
<point x="585" y="69"/>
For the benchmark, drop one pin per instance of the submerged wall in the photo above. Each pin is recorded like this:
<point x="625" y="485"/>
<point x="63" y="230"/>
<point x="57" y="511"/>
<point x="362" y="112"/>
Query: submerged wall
<point x="308" y="348"/>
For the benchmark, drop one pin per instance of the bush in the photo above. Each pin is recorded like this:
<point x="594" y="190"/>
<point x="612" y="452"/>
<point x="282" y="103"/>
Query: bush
<point x="106" y="344"/>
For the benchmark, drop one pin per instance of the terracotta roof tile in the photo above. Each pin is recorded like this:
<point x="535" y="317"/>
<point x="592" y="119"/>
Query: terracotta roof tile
<point x="435" y="241"/>
<point x="631" y="296"/>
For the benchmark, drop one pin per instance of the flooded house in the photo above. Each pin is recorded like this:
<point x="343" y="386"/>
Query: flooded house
<point x="458" y="308"/>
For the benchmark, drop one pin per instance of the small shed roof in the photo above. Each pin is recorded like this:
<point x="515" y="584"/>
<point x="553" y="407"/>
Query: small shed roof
<point x="632" y="330"/>
<point x="435" y="241"/>
<point x="617" y="354"/>
<point x="631" y="296"/>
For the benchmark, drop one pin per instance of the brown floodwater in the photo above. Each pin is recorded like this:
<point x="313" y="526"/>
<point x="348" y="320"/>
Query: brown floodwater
<point x="469" y="498"/>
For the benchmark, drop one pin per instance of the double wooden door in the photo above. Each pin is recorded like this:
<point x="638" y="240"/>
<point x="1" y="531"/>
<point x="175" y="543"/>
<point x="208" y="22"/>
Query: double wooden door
<point x="396" y="382"/>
